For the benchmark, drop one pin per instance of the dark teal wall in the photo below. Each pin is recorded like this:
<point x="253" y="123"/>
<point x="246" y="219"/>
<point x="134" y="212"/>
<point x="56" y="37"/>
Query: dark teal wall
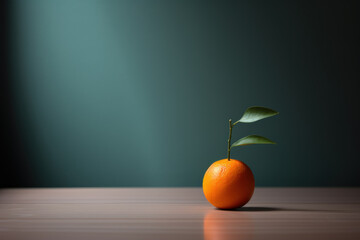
<point x="138" y="93"/>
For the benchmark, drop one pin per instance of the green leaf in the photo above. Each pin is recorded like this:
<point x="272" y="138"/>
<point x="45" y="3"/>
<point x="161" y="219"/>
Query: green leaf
<point x="252" y="139"/>
<point x="253" y="114"/>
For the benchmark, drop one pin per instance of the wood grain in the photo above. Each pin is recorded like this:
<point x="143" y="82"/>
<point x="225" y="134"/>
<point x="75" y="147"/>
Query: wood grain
<point x="177" y="213"/>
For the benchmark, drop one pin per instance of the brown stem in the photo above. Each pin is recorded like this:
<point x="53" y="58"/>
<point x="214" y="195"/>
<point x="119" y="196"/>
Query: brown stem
<point x="229" y="140"/>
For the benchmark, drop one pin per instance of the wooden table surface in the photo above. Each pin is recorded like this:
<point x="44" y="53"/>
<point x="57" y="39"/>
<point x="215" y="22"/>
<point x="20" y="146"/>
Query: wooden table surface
<point x="177" y="213"/>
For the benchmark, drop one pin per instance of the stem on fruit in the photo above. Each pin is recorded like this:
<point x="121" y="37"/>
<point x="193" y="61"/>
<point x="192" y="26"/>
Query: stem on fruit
<point x="229" y="140"/>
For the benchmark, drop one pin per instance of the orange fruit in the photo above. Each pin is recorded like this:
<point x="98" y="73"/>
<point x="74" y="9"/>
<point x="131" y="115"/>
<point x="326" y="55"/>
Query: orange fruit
<point x="228" y="184"/>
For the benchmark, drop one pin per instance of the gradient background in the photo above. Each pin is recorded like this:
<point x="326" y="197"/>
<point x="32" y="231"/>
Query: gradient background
<point x="139" y="93"/>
